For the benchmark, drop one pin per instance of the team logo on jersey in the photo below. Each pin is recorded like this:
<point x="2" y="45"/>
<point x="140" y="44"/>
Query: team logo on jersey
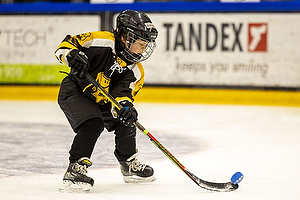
<point x="104" y="82"/>
<point x="83" y="37"/>
<point x="257" y="37"/>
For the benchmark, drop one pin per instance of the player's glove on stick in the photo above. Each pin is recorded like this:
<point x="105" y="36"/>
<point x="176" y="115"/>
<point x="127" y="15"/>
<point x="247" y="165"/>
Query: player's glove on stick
<point x="127" y="114"/>
<point x="78" y="62"/>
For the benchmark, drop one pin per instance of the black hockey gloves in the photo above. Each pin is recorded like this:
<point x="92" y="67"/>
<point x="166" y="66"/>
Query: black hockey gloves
<point x="127" y="114"/>
<point x="78" y="62"/>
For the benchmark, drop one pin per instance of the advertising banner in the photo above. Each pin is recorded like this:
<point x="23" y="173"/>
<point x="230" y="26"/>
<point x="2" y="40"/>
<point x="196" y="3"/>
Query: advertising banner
<point x="197" y="49"/>
<point x="28" y="43"/>
<point x="229" y="49"/>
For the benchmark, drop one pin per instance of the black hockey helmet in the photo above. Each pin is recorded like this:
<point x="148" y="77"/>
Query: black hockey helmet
<point x="133" y="25"/>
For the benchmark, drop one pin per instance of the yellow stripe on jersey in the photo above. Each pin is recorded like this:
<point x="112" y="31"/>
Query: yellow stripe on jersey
<point x="66" y="44"/>
<point x="98" y="38"/>
<point x="140" y="82"/>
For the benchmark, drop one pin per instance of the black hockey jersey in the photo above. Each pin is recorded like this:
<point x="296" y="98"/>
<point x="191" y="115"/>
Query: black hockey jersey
<point x="121" y="80"/>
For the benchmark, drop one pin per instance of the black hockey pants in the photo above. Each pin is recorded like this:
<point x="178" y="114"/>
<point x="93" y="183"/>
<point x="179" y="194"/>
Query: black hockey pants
<point x="88" y="120"/>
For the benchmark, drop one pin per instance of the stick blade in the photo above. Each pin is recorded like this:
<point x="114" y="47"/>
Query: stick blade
<point x="218" y="187"/>
<point x="212" y="186"/>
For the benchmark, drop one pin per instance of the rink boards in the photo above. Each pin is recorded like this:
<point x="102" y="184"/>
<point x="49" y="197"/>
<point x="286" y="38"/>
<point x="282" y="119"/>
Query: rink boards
<point x="170" y="95"/>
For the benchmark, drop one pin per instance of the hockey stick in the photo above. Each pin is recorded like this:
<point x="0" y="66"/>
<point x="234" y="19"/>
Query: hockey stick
<point x="219" y="187"/>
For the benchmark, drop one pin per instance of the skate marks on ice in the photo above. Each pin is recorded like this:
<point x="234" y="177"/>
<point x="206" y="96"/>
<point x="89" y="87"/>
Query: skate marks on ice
<point x="40" y="148"/>
<point x="29" y="148"/>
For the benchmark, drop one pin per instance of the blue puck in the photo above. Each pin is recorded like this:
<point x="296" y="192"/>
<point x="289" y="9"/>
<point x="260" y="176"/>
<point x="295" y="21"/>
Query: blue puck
<point x="237" y="177"/>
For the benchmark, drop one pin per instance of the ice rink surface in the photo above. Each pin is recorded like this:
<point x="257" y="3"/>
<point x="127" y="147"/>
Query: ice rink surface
<point x="212" y="141"/>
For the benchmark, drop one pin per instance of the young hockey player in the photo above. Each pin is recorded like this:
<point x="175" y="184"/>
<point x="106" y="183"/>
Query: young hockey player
<point x="113" y="59"/>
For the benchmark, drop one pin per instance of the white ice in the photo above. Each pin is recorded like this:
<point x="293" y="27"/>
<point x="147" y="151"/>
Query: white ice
<point x="262" y="142"/>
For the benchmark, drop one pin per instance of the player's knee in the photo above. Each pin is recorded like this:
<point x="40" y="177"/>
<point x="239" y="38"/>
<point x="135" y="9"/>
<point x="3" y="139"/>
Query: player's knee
<point x="125" y="132"/>
<point x="93" y="126"/>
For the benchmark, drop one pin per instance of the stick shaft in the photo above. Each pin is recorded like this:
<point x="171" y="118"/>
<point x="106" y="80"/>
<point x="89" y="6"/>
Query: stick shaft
<point x="219" y="187"/>
<point x="164" y="150"/>
<point x="140" y="127"/>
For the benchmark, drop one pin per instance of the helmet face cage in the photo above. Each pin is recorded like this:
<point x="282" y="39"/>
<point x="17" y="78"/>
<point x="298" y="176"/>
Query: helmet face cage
<point x="131" y="27"/>
<point x="130" y="39"/>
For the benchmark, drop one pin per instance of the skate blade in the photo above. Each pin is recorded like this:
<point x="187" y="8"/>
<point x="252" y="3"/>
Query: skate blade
<point x="75" y="187"/>
<point x="137" y="179"/>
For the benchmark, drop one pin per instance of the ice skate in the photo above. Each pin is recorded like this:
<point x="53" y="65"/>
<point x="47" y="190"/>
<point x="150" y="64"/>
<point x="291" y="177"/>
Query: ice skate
<point x="135" y="172"/>
<point x="75" y="179"/>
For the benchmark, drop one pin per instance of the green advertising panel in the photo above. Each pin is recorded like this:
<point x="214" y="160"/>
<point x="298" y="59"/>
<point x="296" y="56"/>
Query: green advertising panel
<point x="28" y="43"/>
<point x="32" y="73"/>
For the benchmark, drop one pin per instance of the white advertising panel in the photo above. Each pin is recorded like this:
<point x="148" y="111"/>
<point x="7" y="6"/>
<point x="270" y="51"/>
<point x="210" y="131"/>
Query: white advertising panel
<point x="33" y="39"/>
<point x="243" y="49"/>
